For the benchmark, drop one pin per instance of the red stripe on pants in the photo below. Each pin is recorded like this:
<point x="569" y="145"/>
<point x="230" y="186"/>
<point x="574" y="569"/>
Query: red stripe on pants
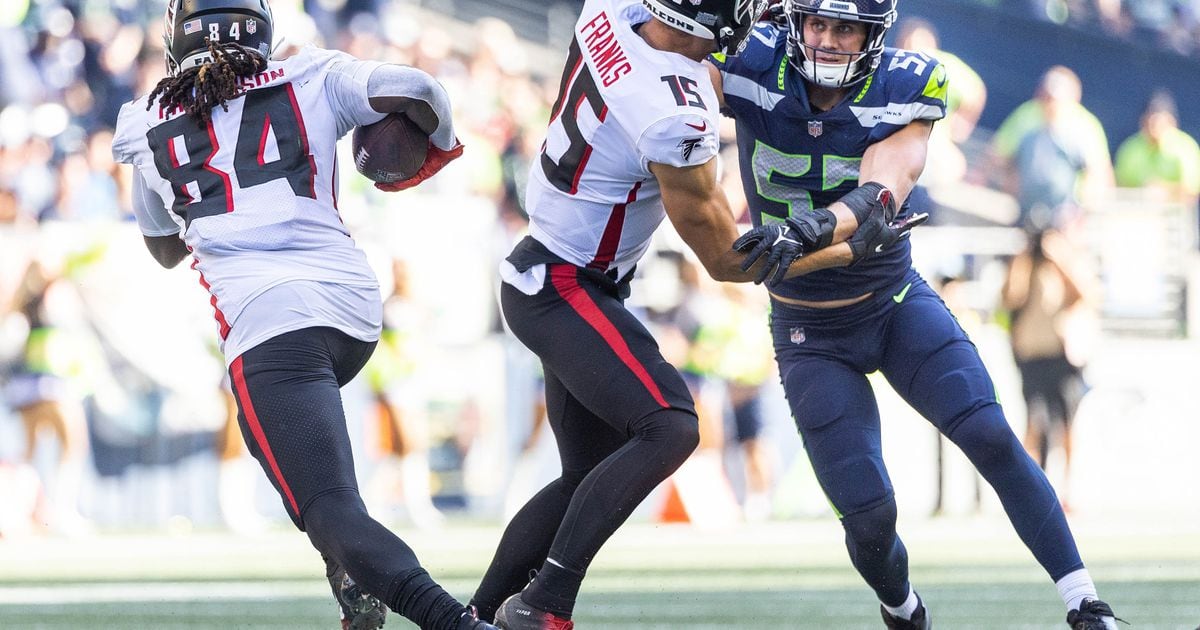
<point x="567" y="285"/>
<point x="243" y="396"/>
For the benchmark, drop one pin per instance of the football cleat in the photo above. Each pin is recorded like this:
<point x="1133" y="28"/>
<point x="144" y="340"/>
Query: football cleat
<point x="920" y="619"/>
<point x="515" y="614"/>
<point x="1093" y="614"/>
<point x="359" y="610"/>
<point x="469" y="620"/>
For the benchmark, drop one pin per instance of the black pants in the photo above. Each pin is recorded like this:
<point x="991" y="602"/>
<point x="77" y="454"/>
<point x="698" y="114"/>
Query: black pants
<point x="621" y="415"/>
<point x="290" y="413"/>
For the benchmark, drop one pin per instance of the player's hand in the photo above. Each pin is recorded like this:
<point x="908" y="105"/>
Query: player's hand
<point x="435" y="159"/>
<point x="779" y="241"/>
<point x="876" y="234"/>
<point x="772" y="11"/>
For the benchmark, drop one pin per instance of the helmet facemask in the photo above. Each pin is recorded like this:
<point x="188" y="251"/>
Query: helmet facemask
<point x="858" y="65"/>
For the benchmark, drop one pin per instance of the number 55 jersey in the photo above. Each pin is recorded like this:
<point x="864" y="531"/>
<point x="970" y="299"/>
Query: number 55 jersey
<point x="622" y="104"/>
<point x="794" y="158"/>
<point x="254" y="193"/>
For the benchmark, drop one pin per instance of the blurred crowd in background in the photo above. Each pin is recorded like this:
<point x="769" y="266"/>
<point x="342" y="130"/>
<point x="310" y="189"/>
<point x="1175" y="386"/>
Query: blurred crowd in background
<point x="1173" y="24"/>
<point x="113" y="409"/>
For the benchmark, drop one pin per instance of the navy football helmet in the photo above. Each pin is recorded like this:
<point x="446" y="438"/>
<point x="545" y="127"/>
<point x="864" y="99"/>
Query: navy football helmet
<point x="714" y="19"/>
<point x="878" y="15"/>
<point x="190" y="24"/>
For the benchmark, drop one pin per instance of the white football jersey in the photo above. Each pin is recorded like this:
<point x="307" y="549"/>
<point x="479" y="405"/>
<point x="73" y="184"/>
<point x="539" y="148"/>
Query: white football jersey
<point x="254" y="191"/>
<point x="591" y="197"/>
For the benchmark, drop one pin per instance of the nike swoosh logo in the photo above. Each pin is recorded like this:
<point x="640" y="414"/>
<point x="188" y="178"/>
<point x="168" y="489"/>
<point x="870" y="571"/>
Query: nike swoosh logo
<point x="899" y="297"/>
<point x="701" y="127"/>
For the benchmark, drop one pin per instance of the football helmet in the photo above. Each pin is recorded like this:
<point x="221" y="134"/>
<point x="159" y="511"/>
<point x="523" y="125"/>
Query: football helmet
<point x="878" y="15"/>
<point x="714" y="19"/>
<point x="190" y="24"/>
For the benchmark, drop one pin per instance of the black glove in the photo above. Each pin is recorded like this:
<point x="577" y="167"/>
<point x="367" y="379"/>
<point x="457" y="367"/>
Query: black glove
<point x="878" y="233"/>
<point x="782" y="244"/>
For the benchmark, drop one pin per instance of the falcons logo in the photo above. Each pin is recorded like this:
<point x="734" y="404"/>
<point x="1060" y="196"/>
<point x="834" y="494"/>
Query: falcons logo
<point x="686" y="145"/>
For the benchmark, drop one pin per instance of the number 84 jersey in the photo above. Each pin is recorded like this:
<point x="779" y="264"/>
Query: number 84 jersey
<point x="622" y="104"/>
<point x="254" y="190"/>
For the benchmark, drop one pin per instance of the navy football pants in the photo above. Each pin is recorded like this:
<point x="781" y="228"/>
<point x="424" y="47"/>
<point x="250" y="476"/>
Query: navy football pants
<point x="291" y="416"/>
<point x="908" y="335"/>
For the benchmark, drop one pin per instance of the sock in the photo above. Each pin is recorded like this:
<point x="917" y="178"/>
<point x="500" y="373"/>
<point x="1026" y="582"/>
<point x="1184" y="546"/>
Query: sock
<point x="1076" y="586"/>
<point x="420" y="599"/>
<point x="554" y="589"/>
<point x="905" y="610"/>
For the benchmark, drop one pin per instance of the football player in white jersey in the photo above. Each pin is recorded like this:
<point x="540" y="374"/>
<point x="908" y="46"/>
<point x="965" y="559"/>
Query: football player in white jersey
<point x="234" y="164"/>
<point x="632" y="138"/>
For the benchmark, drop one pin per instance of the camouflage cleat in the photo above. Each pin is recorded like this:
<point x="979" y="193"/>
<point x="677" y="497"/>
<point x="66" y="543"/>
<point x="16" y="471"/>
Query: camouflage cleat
<point x="1093" y="614"/>
<point x="359" y="610"/>
<point x="515" y="614"/>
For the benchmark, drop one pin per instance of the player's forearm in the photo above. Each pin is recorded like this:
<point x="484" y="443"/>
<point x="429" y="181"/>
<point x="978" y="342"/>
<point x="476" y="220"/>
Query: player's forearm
<point x="414" y="93"/>
<point x="846" y="221"/>
<point x="898" y="161"/>
<point x="836" y="255"/>
<point x="168" y="251"/>
<point x="708" y="231"/>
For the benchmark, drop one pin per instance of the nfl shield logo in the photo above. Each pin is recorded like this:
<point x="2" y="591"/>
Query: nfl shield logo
<point x="816" y="128"/>
<point x="797" y="335"/>
<point x="251" y="26"/>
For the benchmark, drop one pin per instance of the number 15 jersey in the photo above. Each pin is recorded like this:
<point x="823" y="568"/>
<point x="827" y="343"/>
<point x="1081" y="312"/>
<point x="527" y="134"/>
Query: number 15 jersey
<point x="622" y="104"/>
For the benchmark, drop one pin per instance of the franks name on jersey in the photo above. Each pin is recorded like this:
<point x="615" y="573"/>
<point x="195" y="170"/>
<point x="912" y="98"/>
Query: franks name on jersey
<point x="794" y="159"/>
<point x="622" y="105"/>
<point x="605" y="50"/>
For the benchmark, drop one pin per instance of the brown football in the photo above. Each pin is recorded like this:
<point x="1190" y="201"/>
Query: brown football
<point x="390" y="150"/>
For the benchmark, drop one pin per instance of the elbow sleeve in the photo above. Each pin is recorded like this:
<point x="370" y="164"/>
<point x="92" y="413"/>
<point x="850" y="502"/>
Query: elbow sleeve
<point x="418" y="95"/>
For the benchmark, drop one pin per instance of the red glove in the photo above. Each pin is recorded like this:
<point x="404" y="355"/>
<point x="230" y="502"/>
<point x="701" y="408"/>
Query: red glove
<point x="435" y="159"/>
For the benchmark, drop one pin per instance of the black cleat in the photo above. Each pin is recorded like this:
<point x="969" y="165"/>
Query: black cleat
<point x="1093" y="614"/>
<point x="920" y="619"/>
<point x="515" y="614"/>
<point x="359" y="610"/>
<point x="469" y="620"/>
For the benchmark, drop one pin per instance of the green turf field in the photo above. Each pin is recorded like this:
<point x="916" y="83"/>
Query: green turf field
<point x="972" y="572"/>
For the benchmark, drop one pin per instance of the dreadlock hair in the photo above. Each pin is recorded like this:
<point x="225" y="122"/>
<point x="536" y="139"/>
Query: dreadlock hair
<point x="197" y="90"/>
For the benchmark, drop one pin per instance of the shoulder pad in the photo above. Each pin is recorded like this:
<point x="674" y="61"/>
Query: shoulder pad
<point x="915" y="75"/>
<point x="681" y="140"/>
<point x="757" y="51"/>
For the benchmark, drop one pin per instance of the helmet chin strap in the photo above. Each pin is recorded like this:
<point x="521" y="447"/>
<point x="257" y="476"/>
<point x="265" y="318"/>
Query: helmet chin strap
<point x="831" y="75"/>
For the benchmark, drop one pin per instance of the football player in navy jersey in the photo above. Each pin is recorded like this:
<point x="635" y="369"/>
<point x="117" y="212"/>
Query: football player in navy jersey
<point x="832" y="131"/>
<point x="235" y="165"/>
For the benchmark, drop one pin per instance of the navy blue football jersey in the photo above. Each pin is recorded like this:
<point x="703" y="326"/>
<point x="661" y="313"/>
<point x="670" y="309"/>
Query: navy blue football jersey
<point x="793" y="159"/>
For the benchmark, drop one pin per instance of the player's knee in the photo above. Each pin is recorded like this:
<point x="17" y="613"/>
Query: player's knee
<point x="333" y="510"/>
<point x="678" y="431"/>
<point x="873" y="529"/>
<point x="986" y="439"/>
